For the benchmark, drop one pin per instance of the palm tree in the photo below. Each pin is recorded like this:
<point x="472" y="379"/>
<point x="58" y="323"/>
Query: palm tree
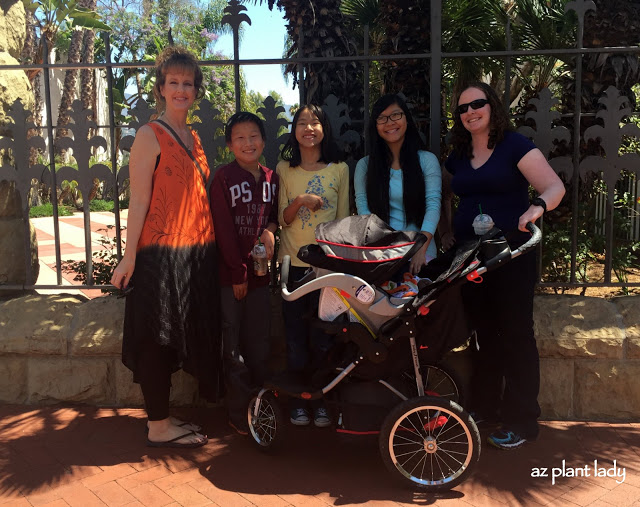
<point x="327" y="34"/>
<point x="87" y="76"/>
<point x="50" y="17"/>
<point x="615" y="23"/>
<point x="69" y="86"/>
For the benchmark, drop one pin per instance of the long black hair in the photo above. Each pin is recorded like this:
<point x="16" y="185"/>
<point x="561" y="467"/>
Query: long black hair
<point x="498" y="121"/>
<point x="380" y="159"/>
<point x="328" y="149"/>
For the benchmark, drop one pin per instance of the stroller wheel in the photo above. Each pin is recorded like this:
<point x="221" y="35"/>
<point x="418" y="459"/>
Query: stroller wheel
<point x="267" y="428"/>
<point x="438" y="382"/>
<point x="429" y="443"/>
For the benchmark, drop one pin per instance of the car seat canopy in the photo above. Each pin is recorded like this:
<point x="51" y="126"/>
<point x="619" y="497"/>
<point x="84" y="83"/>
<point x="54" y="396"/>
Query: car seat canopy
<point x="361" y="245"/>
<point x="365" y="238"/>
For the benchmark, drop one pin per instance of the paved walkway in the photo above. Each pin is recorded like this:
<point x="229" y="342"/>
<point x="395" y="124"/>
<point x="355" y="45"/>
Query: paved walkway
<point x="84" y="456"/>
<point x="72" y="245"/>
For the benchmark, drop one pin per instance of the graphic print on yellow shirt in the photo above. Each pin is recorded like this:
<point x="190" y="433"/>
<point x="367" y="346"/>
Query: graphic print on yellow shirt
<point x="330" y="183"/>
<point x="315" y="186"/>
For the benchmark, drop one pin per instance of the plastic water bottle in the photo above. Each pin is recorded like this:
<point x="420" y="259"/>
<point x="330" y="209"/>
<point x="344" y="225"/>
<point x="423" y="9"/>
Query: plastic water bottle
<point x="260" y="261"/>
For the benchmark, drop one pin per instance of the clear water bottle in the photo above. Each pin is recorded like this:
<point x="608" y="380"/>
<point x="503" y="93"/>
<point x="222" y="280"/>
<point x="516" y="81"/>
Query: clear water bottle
<point x="260" y="261"/>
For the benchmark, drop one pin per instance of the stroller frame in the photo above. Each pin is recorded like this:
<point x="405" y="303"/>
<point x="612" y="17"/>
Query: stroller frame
<point x="443" y="439"/>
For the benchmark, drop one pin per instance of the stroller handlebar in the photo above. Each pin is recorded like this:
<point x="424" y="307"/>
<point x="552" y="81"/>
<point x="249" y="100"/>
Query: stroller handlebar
<point x="533" y="241"/>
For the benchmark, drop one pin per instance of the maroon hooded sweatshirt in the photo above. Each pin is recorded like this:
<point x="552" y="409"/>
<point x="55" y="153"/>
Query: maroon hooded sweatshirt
<point x="242" y="208"/>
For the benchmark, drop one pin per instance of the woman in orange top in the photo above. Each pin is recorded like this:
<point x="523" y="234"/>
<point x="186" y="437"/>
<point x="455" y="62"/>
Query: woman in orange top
<point x="169" y="266"/>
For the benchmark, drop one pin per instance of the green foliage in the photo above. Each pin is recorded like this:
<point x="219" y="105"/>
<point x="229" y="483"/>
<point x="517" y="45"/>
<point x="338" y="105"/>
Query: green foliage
<point x="556" y="251"/>
<point x="591" y="245"/>
<point x="221" y="87"/>
<point x="632" y="144"/>
<point x="56" y="13"/>
<point x="46" y="210"/>
<point x="100" y="205"/>
<point x="60" y="17"/>
<point x="624" y="254"/>
<point x="365" y="11"/>
<point x="140" y="33"/>
<point x="104" y="261"/>
<point x="255" y="100"/>
<point x="70" y="193"/>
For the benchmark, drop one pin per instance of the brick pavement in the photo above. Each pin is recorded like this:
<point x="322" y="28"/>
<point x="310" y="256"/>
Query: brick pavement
<point x="72" y="245"/>
<point x="64" y="455"/>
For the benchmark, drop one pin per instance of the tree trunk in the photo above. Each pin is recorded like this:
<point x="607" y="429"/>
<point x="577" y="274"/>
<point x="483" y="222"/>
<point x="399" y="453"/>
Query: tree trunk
<point x="326" y="34"/>
<point x="163" y="14"/>
<point x="69" y="87"/>
<point x="87" y="76"/>
<point x="30" y="55"/>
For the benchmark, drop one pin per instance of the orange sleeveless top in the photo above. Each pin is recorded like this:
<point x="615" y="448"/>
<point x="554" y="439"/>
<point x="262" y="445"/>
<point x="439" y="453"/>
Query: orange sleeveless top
<point x="179" y="213"/>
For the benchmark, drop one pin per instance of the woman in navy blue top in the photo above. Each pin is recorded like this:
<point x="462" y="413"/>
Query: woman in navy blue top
<point x="491" y="169"/>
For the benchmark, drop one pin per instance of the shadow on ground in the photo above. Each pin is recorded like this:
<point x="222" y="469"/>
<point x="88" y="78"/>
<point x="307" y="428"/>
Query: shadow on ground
<point x="46" y="448"/>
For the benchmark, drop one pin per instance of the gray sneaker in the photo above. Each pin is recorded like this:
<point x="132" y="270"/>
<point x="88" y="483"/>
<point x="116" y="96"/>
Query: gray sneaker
<point x="300" y="417"/>
<point x="321" y="418"/>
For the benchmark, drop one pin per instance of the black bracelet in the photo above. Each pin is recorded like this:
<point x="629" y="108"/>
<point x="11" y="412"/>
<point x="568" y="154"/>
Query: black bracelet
<point x="539" y="201"/>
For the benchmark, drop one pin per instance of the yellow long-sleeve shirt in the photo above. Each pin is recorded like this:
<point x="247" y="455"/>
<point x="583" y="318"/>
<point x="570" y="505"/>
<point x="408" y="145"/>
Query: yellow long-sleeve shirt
<point x="331" y="183"/>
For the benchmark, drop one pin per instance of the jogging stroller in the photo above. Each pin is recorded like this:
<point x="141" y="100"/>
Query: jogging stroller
<point x="425" y="437"/>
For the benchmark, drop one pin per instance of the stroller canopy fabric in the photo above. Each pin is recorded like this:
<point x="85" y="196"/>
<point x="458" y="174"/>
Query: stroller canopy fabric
<point x="364" y="238"/>
<point x="361" y="245"/>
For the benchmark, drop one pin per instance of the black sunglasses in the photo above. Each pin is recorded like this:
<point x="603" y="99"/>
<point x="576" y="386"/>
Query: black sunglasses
<point x="475" y="104"/>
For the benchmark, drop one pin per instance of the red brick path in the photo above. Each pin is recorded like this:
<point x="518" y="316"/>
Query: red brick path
<point x="83" y="456"/>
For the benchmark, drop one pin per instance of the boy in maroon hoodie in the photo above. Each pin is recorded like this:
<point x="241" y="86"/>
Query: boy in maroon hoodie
<point x="244" y="204"/>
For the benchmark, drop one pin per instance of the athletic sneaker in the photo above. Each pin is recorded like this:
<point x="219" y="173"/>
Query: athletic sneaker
<point x="321" y="417"/>
<point x="505" y="439"/>
<point x="300" y="417"/>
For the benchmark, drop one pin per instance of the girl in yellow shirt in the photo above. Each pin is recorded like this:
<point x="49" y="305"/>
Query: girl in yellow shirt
<point x="314" y="188"/>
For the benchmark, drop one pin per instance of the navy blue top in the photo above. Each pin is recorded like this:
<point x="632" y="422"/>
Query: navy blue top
<point x="497" y="185"/>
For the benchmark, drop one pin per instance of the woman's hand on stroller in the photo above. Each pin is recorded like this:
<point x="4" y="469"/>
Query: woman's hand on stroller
<point x="531" y="215"/>
<point x="447" y="240"/>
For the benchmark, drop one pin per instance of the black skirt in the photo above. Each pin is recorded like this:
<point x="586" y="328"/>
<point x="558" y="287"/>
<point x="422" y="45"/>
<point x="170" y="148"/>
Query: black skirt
<point x="175" y="303"/>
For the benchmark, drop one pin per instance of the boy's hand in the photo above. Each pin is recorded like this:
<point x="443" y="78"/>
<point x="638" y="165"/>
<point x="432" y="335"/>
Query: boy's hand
<point x="240" y="290"/>
<point x="311" y="201"/>
<point x="268" y="241"/>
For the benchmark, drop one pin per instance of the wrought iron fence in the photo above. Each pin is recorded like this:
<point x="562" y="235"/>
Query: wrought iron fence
<point x="19" y="172"/>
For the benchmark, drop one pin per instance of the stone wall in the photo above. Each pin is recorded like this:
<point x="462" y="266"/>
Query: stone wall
<point x="590" y="357"/>
<point x="65" y="348"/>
<point x="14" y="85"/>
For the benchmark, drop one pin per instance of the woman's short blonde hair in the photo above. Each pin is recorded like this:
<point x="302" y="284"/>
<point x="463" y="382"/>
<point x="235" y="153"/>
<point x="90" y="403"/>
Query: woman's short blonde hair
<point x="176" y="58"/>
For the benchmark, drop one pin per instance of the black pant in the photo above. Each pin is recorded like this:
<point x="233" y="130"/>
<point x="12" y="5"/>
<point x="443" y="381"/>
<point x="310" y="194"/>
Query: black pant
<point x="154" y="369"/>
<point x="501" y="311"/>
<point x="246" y="333"/>
<point x="307" y="345"/>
